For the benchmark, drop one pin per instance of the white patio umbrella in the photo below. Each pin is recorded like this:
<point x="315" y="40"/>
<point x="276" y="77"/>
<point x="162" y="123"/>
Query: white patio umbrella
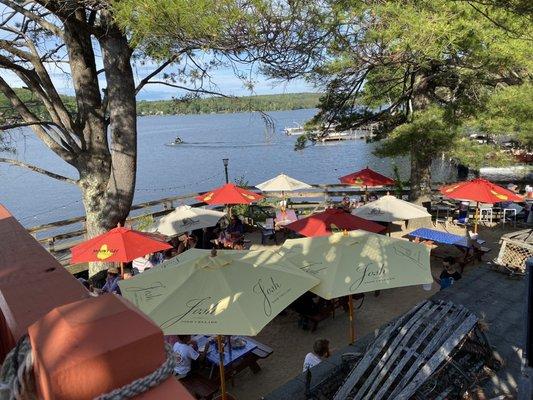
<point x="389" y="209"/>
<point x="282" y="183"/>
<point x="186" y="218"/>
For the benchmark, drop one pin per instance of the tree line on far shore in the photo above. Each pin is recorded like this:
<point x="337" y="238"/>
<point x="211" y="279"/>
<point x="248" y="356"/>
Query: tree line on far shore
<point x="175" y="106"/>
<point x="206" y="105"/>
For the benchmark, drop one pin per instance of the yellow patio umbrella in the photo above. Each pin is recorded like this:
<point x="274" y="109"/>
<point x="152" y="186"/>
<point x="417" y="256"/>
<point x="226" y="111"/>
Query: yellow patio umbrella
<point x="217" y="294"/>
<point x="354" y="262"/>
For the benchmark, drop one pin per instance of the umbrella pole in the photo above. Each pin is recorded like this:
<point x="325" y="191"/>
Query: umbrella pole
<point x="220" y="345"/>
<point x="476" y="217"/>
<point x="121" y="270"/>
<point x="388" y="226"/>
<point x="352" y="328"/>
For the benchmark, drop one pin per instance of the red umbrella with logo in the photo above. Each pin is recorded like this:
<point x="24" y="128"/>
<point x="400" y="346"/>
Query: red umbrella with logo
<point x="481" y="191"/>
<point x="229" y="194"/>
<point x="366" y="177"/>
<point x="324" y="223"/>
<point x="118" y="245"/>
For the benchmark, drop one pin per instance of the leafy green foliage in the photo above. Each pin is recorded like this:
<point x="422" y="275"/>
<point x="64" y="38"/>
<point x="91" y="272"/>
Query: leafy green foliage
<point x="420" y="69"/>
<point x="509" y="111"/>
<point x="477" y="155"/>
<point x="157" y="24"/>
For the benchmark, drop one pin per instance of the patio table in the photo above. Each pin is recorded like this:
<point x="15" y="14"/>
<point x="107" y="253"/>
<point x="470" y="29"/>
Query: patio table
<point x="461" y="242"/>
<point x="235" y="360"/>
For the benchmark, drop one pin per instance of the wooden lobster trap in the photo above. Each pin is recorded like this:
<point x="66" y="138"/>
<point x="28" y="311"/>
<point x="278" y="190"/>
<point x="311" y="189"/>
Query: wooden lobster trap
<point x="435" y="351"/>
<point x="516" y="248"/>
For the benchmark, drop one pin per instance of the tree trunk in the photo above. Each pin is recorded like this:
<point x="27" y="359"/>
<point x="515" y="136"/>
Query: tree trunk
<point x="108" y="167"/>
<point x="122" y="108"/>
<point x="108" y="193"/>
<point x="420" y="178"/>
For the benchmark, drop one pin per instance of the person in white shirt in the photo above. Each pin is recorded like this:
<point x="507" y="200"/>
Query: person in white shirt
<point x="142" y="263"/>
<point x="320" y="352"/>
<point x="185" y="354"/>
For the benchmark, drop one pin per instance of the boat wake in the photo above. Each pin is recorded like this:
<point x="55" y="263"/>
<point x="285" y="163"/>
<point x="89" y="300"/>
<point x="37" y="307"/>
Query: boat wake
<point x="218" y="145"/>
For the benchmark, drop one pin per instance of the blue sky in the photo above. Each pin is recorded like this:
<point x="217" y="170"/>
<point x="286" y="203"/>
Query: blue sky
<point x="224" y="81"/>
<point x="227" y="83"/>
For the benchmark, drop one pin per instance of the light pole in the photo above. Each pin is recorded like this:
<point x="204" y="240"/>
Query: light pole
<point x="226" y="162"/>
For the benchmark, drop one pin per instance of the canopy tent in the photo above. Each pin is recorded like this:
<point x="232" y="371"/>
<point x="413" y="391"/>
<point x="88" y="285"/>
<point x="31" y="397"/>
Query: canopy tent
<point x="366" y="177"/>
<point x="481" y="191"/>
<point x="117" y="245"/>
<point x="282" y="183"/>
<point x="322" y="224"/>
<point x="356" y="262"/>
<point x="186" y="218"/>
<point x="216" y="294"/>
<point x="389" y="209"/>
<point x="229" y="194"/>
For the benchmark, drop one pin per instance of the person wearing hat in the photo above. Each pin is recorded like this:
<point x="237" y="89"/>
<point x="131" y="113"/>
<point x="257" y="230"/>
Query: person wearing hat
<point x="111" y="282"/>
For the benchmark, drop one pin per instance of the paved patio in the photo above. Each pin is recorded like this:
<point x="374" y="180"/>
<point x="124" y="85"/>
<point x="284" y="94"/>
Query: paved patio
<point x="498" y="300"/>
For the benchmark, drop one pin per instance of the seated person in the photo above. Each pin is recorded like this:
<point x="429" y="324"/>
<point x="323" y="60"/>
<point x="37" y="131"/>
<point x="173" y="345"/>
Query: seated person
<point x="233" y="232"/>
<point x="320" y="352"/>
<point x="142" y="263"/>
<point x="372" y="197"/>
<point x="128" y="273"/>
<point x="236" y="226"/>
<point x="186" y="242"/>
<point x="111" y="282"/>
<point x="449" y="274"/>
<point x="463" y="212"/>
<point x="346" y="204"/>
<point x="186" y="353"/>
<point x="307" y="305"/>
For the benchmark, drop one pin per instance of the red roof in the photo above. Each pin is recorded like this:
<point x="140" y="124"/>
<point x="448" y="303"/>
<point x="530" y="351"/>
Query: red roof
<point x="480" y="190"/>
<point x="321" y="224"/>
<point x="118" y="245"/>
<point x="229" y="194"/>
<point x="367" y="177"/>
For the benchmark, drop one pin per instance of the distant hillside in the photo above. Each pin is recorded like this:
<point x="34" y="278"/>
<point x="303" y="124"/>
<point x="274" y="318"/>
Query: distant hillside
<point x="289" y="101"/>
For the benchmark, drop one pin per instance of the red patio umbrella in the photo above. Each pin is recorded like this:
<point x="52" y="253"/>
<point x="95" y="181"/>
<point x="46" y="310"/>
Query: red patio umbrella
<point x="481" y="191"/>
<point x="229" y="194"/>
<point x="321" y="224"/>
<point x="367" y="177"/>
<point x="118" y="245"/>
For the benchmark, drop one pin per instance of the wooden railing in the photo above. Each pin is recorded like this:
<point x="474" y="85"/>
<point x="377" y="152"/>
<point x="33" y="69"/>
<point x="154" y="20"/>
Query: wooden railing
<point x="59" y="236"/>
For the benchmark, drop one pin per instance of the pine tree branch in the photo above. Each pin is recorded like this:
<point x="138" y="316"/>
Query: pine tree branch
<point x="34" y="17"/>
<point x="38" y="170"/>
<point x="156" y="71"/>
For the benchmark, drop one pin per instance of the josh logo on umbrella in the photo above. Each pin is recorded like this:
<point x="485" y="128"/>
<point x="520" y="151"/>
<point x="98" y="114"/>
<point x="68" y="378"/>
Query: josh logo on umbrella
<point x="269" y="291"/>
<point x="367" y="274"/>
<point x="197" y="308"/>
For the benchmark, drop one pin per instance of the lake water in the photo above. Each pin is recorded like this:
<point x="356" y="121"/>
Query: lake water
<point x="255" y="154"/>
